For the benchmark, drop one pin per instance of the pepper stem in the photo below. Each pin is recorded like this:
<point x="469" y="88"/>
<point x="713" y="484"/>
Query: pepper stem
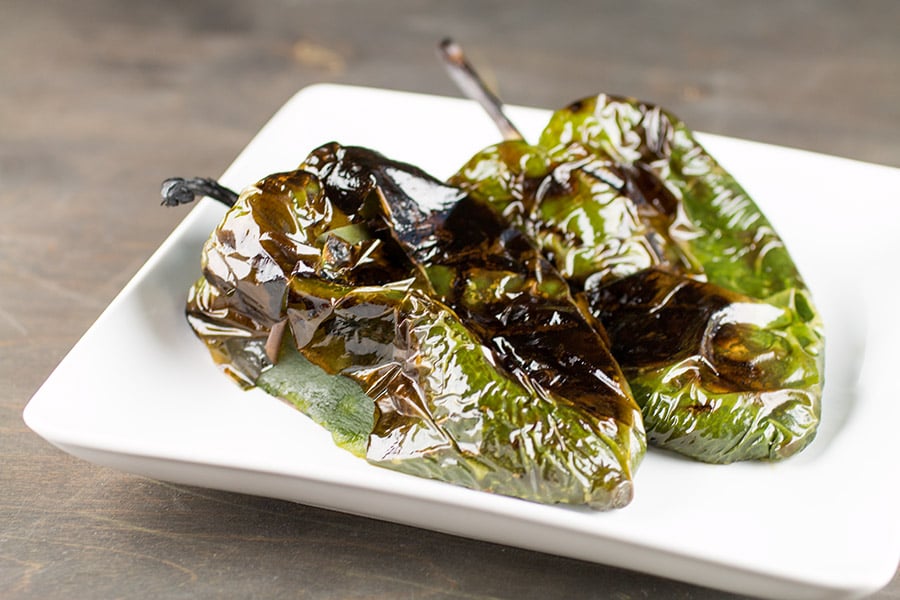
<point x="472" y="86"/>
<point x="176" y="191"/>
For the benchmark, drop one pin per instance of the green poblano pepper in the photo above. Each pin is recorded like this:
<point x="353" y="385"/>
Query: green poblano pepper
<point x="320" y="289"/>
<point x="705" y="310"/>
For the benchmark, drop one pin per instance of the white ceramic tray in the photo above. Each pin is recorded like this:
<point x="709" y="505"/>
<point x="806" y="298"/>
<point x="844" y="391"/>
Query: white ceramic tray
<point x="139" y="392"/>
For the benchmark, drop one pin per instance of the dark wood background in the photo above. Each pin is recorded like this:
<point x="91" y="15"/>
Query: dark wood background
<point x="102" y="99"/>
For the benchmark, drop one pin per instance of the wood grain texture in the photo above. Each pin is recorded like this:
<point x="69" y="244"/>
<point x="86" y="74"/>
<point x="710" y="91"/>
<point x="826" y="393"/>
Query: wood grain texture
<point x="101" y="100"/>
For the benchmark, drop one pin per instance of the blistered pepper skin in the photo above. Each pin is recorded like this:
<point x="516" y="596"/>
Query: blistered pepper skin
<point x="356" y="268"/>
<point x="495" y="279"/>
<point x="706" y="312"/>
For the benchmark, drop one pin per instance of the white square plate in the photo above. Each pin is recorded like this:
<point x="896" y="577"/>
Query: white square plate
<point x="140" y="393"/>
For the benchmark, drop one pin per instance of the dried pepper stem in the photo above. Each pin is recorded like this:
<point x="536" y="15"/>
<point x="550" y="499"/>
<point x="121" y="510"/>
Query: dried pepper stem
<point x="471" y="84"/>
<point x="177" y="190"/>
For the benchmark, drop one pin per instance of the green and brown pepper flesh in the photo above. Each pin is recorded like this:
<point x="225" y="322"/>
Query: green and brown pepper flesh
<point x="705" y="310"/>
<point x="489" y="332"/>
<point x="468" y="359"/>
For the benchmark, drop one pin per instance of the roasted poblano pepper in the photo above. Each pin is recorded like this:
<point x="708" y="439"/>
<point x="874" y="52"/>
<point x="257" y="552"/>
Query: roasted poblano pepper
<point x="706" y="312"/>
<point x="426" y="333"/>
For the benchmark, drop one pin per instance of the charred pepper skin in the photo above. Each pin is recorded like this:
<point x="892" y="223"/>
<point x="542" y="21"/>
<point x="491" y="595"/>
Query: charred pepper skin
<point x="494" y="278"/>
<point x="638" y="217"/>
<point x="357" y="268"/>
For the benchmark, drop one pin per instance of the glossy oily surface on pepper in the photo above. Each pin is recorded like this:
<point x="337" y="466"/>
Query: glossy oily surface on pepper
<point x="705" y="310"/>
<point x="339" y="274"/>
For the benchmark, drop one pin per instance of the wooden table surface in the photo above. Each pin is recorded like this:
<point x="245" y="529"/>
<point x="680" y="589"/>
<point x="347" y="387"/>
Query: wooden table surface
<point x="101" y="100"/>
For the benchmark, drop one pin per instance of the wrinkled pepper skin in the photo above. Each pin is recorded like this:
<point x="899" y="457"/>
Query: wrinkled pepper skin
<point x="358" y="269"/>
<point x="706" y="312"/>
